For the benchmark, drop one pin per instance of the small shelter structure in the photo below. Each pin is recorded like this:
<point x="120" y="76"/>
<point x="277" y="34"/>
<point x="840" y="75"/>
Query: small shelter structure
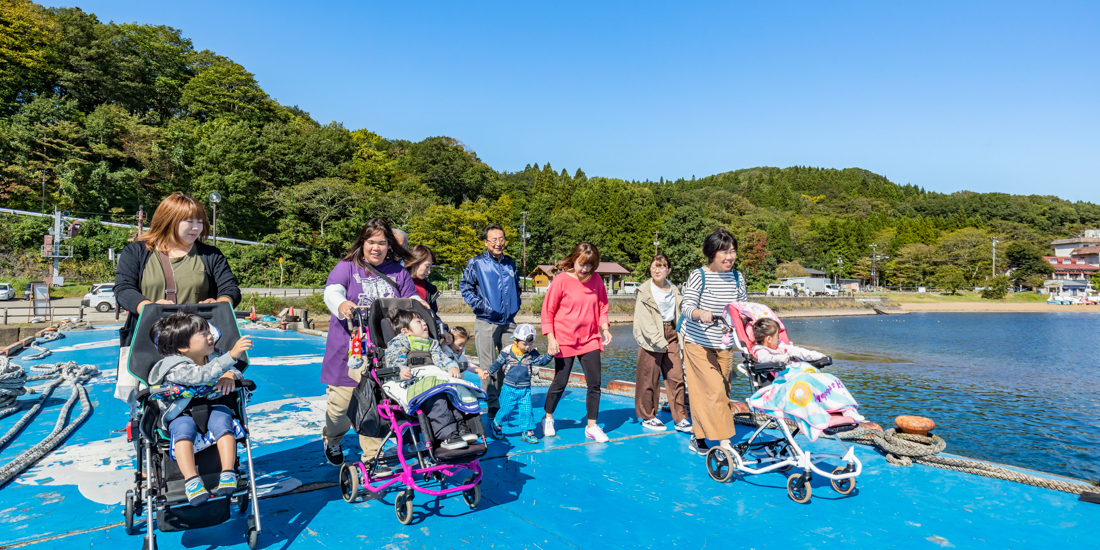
<point x="607" y="271"/>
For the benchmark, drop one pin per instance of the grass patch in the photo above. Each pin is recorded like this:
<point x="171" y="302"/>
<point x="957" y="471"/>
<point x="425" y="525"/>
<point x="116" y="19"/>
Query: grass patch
<point x="962" y="297"/>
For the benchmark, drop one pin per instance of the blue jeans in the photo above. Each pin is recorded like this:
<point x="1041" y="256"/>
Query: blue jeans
<point x="183" y="427"/>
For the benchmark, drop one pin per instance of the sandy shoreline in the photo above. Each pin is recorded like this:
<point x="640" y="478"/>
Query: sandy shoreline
<point x="996" y="307"/>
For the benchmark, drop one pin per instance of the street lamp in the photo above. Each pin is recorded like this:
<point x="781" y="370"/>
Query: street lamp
<point x="524" y="235"/>
<point x="215" y="198"/>
<point x="995" y="241"/>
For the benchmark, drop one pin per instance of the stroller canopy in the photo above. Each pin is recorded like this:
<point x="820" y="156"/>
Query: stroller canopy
<point x="742" y="315"/>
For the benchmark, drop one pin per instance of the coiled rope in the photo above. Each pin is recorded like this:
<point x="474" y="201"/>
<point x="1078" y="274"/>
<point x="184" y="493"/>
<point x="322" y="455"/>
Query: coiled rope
<point x="10" y="376"/>
<point x="902" y="449"/>
<point x="41" y="351"/>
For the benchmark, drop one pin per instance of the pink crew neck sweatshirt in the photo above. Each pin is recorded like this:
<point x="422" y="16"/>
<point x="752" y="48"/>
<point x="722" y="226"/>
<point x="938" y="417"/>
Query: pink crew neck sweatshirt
<point x="573" y="312"/>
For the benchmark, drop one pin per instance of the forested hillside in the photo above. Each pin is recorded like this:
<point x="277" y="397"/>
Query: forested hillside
<point x="101" y="117"/>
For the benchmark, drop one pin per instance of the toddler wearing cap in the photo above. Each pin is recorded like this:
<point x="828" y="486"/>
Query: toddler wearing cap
<point x="518" y="362"/>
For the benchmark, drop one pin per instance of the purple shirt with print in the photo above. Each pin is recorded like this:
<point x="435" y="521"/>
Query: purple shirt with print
<point x="363" y="288"/>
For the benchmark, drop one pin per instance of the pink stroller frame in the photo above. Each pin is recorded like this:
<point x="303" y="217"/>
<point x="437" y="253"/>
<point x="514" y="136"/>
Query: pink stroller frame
<point x="430" y="466"/>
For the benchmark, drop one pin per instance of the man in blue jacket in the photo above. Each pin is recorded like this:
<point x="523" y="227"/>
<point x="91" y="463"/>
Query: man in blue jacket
<point x="490" y="286"/>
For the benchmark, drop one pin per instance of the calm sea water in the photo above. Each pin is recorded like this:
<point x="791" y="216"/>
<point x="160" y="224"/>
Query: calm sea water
<point x="1020" y="389"/>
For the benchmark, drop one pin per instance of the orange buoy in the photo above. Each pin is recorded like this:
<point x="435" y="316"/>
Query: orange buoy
<point x="916" y="425"/>
<point x="870" y="425"/>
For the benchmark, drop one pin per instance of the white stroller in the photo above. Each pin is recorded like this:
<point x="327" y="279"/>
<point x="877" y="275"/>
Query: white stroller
<point x="761" y="453"/>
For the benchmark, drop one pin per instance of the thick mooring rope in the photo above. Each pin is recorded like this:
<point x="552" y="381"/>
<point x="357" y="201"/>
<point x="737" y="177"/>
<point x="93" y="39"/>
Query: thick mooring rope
<point x="902" y="449"/>
<point x="69" y="372"/>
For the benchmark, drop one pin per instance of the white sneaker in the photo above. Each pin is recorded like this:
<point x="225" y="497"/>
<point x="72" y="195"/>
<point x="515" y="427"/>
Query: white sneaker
<point x="594" y="432"/>
<point x="654" y="424"/>
<point x="548" y="427"/>
<point x="683" y="426"/>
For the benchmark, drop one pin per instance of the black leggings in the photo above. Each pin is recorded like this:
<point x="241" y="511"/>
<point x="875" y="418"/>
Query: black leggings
<point x="590" y="364"/>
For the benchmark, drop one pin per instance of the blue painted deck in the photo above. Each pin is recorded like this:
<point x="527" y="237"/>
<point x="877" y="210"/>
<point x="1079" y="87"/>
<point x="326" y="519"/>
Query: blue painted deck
<point x="641" y="490"/>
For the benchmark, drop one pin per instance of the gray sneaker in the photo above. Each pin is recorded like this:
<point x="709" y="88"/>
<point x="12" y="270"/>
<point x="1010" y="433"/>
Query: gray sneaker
<point x="654" y="424"/>
<point x="693" y="446"/>
<point x="683" y="426"/>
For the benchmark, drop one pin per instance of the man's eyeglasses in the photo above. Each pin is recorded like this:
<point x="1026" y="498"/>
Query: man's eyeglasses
<point x="495" y="241"/>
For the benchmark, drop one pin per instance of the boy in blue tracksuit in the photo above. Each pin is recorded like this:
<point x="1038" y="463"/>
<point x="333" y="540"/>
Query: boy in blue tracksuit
<point x="515" y="397"/>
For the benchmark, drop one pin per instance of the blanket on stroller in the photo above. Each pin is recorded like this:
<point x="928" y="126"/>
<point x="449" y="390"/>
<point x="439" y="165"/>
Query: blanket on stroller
<point x="808" y="397"/>
<point x="429" y="379"/>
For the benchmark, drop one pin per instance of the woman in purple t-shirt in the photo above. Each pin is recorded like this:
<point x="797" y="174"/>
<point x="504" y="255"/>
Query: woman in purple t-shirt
<point x="354" y="283"/>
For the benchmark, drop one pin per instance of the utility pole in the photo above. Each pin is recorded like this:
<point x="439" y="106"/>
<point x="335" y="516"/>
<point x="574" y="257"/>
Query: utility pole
<point x="995" y="241"/>
<point x="874" y="252"/>
<point x="140" y="219"/>
<point x="523" y="235"/>
<point x="839" y="270"/>
<point x="655" y="243"/>
<point x="43" y="192"/>
<point x="215" y="198"/>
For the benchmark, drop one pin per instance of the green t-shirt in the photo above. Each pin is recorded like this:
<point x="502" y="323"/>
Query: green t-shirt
<point x="191" y="284"/>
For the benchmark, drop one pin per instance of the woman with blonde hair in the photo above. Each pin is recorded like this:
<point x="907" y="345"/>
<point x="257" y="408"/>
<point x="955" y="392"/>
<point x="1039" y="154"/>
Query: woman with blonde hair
<point x="168" y="264"/>
<point x="574" y="320"/>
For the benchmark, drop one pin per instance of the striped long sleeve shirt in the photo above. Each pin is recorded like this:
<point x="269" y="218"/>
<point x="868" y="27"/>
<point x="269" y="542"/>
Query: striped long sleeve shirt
<point x="721" y="289"/>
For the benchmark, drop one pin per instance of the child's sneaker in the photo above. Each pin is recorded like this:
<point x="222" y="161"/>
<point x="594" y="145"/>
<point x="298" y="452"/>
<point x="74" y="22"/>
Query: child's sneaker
<point x="466" y="434"/>
<point x="529" y="436"/>
<point x="498" y="432"/>
<point x="548" y="427"/>
<point x="594" y="432"/>
<point x="227" y="483"/>
<point x="334" y="453"/>
<point x="654" y="424"/>
<point x="683" y="426"/>
<point x="196" y="493"/>
<point x="454" y="442"/>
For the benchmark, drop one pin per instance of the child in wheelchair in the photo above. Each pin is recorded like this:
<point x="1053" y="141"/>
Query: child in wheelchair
<point x="189" y="371"/>
<point x="431" y="378"/>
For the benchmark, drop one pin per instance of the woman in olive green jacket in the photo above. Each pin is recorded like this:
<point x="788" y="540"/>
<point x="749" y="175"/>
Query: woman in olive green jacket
<point x="658" y="304"/>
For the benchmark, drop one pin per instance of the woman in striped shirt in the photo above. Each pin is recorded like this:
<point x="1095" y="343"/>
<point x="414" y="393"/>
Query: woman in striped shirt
<point x="708" y="363"/>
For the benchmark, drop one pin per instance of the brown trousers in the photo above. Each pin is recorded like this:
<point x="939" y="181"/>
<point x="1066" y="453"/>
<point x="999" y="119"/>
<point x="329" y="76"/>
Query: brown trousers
<point x="652" y="365"/>
<point x="708" y="375"/>
<point x="337" y="422"/>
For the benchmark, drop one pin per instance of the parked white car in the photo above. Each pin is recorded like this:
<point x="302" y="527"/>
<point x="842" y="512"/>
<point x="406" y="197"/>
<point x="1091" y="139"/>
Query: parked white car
<point x="630" y="287"/>
<point x="7" y="292"/>
<point x="102" y="297"/>
<point x="779" y="290"/>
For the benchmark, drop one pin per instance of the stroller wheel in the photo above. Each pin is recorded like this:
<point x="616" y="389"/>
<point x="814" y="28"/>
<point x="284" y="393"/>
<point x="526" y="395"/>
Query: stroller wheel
<point x="798" y="489"/>
<point x="721" y="463"/>
<point x="349" y="481"/>
<point x="129" y="512"/>
<point x="843" y="486"/>
<point x="252" y="538"/>
<point x="242" y="502"/>
<point x="472" y="496"/>
<point x="404" y="508"/>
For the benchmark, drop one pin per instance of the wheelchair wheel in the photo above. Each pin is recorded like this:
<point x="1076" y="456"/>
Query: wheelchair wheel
<point x="798" y="489"/>
<point x="129" y="512"/>
<point x="404" y="508"/>
<point x="843" y="486"/>
<point x="349" y="481"/>
<point x="721" y="463"/>
<point x="472" y="496"/>
<point x="252" y="538"/>
<point x="243" y="501"/>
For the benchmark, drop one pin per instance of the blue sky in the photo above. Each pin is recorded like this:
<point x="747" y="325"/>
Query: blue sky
<point x="993" y="96"/>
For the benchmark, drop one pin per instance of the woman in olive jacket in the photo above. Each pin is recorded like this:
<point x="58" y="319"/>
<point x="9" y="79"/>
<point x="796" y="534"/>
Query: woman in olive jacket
<point x="200" y="271"/>
<point x="655" y="312"/>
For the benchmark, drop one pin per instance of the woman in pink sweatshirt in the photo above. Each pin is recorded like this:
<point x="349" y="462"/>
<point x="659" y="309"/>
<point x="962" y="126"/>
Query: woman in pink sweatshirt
<point x="574" y="320"/>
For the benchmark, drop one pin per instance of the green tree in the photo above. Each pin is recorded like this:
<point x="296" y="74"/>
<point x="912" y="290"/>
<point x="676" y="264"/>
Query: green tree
<point x="226" y="90"/>
<point x="454" y="234"/>
<point x="950" y="278"/>
<point x="27" y="37"/>
<point x="452" y="172"/>
<point x="996" y="288"/>
<point x="1026" y="264"/>
<point x="684" y="232"/>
